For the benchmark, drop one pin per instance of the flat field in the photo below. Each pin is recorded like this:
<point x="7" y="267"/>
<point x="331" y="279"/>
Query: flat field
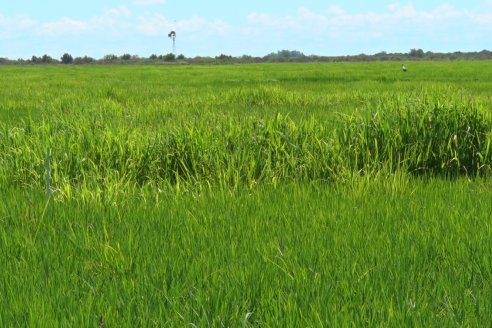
<point x="271" y="195"/>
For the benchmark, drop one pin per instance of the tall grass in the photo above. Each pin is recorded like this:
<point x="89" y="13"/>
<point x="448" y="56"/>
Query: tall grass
<point x="425" y="136"/>
<point x="421" y="136"/>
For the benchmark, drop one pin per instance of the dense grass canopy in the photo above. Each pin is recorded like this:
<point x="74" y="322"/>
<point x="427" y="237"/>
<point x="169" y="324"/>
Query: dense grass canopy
<point x="290" y="195"/>
<point x="233" y="126"/>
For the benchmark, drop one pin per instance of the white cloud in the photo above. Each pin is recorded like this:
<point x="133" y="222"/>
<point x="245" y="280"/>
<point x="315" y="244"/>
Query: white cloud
<point x="121" y="11"/>
<point x="335" y="17"/>
<point x="262" y="20"/>
<point x="159" y="25"/>
<point x="397" y="27"/>
<point x="17" y="23"/>
<point x="66" y="25"/>
<point x="154" y="25"/>
<point x="15" y="27"/>
<point x="482" y="18"/>
<point x="113" y="20"/>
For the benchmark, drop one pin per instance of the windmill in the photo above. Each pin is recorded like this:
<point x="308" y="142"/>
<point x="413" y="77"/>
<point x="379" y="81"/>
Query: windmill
<point x="172" y="35"/>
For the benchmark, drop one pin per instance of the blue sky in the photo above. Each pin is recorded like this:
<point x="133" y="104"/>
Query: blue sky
<point x="252" y="27"/>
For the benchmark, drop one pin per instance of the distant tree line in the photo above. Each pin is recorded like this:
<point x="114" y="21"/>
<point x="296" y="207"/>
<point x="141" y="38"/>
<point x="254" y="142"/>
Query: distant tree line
<point x="274" y="57"/>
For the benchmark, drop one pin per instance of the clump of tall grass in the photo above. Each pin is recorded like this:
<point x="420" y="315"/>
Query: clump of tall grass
<point x="421" y="136"/>
<point x="425" y="136"/>
<point x="236" y="152"/>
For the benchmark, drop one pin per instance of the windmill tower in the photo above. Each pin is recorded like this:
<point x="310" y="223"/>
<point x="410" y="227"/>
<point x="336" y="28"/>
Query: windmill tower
<point x="172" y="35"/>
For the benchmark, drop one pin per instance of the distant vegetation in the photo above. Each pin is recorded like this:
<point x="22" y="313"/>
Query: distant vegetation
<point x="279" y="56"/>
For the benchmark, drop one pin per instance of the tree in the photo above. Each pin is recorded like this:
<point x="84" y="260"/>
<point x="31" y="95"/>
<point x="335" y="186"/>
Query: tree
<point x="110" y="58"/>
<point x="284" y="55"/>
<point x="417" y="53"/>
<point x="169" y="57"/>
<point x="66" y="58"/>
<point x="46" y="59"/>
<point x="83" y="60"/>
<point x="223" y="57"/>
<point x="126" y="57"/>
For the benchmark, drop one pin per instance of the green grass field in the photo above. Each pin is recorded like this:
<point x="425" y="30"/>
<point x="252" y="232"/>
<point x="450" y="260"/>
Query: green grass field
<point x="272" y="195"/>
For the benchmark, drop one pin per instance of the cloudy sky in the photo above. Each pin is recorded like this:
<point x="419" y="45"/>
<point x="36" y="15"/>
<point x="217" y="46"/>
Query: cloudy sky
<point x="237" y="27"/>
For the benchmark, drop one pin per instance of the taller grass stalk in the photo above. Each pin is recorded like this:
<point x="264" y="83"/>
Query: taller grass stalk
<point x="48" y="172"/>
